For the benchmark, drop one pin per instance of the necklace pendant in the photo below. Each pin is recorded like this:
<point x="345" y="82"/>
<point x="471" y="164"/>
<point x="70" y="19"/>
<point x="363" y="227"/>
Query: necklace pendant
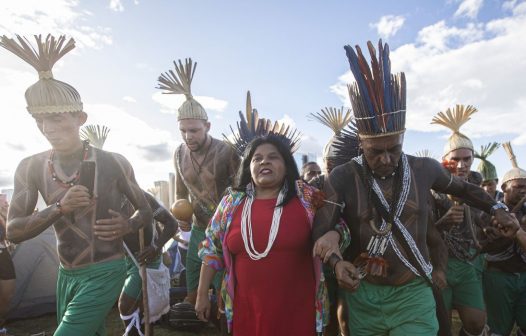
<point x="377" y="245"/>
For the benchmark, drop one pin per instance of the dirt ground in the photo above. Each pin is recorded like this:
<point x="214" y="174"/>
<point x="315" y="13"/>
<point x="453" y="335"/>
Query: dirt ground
<point x="114" y="327"/>
<point x="47" y="324"/>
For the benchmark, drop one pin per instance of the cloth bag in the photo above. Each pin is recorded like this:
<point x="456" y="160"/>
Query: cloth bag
<point x="158" y="286"/>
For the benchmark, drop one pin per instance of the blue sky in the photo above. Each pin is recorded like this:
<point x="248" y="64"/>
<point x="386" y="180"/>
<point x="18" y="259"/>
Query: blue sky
<point x="289" y="54"/>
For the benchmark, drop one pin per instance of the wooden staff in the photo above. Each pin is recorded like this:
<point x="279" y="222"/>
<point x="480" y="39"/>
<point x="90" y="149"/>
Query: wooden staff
<point x="146" y="307"/>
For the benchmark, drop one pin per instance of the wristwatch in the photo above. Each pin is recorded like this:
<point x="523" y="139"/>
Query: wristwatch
<point x="497" y="206"/>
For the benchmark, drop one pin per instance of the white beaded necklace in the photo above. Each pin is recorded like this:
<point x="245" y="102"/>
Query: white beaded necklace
<point x="246" y="222"/>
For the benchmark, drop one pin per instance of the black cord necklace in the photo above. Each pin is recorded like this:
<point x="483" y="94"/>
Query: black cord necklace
<point x="200" y="165"/>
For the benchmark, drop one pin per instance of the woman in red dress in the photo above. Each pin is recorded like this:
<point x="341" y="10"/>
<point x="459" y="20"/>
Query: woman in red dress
<point x="261" y="236"/>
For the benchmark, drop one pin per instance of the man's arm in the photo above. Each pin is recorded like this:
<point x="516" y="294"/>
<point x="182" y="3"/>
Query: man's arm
<point x="181" y="192"/>
<point x="129" y="187"/>
<point x="329" y="214"/>
<point x="164" y="217"/>
<point x="471" y="194"/>
<point x="22" y="222"/>
<point x="446" y="183"/>
<point x="437" y="252"/>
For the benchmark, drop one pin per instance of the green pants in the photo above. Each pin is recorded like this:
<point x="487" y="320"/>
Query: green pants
<point x="506" y="298"/>
<point x="133" y="284"/>
<point x="464" y="284"/>
<point x="193" y="262"/>
<point x="378" y="310"/>
<point x="85" y="297"/>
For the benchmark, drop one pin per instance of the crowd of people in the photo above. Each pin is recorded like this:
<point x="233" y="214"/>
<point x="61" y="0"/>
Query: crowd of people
<point x="375" y="242"/>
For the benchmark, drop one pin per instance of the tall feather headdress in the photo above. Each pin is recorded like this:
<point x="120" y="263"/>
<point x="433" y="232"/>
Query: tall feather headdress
<point x="454" y="119"/>
<point x="251" y="126"/>
<point x="180" y="82"/>
<point x="47" y="95"/>
<point x="485" y="167"/>
<point x="515" y="173"/>
<point x="336" y="120"/>
<point x="378" y="98"/>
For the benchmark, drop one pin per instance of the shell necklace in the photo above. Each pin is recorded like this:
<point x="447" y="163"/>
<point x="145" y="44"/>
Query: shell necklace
<point x="246" y="225"/>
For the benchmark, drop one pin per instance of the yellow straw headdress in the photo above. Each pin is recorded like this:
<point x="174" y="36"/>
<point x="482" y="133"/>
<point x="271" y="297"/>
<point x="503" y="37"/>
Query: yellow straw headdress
<point x="47" y="95"/>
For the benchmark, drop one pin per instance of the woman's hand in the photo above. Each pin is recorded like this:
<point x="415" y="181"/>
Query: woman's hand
<point x="202" y="307"/>
<point x="326" y="245"/>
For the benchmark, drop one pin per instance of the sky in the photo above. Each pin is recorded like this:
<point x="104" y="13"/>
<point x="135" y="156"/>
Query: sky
<point x="289" y="54"/>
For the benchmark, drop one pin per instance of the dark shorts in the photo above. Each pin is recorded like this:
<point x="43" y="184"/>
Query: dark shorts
<point x="7" y="269"/>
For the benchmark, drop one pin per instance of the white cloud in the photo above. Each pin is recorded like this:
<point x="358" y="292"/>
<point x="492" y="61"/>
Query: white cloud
<point x="509" y="5"/>
<point x="287" y="120"/>
<point x="483" y="65"/>
<point x="129" y="99"/>
<point x="388" y="25"/>
<point x="171" y="102"/>
<point x="31" y="17"/>
<point x="469" y="8"/>
<point x="116" y="5"/>
<point x="441" y="37"/>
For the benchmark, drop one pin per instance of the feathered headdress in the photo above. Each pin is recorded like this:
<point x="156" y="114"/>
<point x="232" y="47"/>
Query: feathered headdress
<point x="179" y="82"/>
<point x="454" y="119"/>
<point x="515" y="173"/>
<point x="378" y="98"/>
<point x="425" y="153"/>
<point x="47" y="95"/>
<point x="346" y="146"/>
<point x="486" y="168"/>
<point x="251" y="127"/>
<point x="336" y="120"/>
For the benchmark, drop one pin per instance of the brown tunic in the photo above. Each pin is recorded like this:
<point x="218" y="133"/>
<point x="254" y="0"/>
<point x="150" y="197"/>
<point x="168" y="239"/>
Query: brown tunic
<point x="204" y="190"/>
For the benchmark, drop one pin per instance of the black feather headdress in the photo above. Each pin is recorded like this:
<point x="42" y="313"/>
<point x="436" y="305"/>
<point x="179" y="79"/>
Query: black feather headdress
<point x="251" y="127"/>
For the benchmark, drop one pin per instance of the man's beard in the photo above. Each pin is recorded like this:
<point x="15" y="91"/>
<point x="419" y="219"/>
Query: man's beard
<point x="199" y="145"/>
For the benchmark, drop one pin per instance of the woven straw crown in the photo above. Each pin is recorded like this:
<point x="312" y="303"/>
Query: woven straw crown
<point x="515" y="173"/>
<point x="47" y="95"/>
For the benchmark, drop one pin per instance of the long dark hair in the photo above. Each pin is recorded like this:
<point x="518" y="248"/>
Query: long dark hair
<point x="243" y="176"/>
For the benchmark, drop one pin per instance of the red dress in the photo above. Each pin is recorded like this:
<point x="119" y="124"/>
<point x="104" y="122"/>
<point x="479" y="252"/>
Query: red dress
<point x="275" y="295"/>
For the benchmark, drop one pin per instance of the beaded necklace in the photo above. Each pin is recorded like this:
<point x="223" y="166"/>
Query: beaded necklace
<point x="72" y="181"/>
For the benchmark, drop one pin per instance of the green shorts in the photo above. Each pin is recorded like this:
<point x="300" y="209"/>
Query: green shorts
<point x="506" y="297"/>
<point x="464" y="284"/>
<point x="193" y="262"/>
<point x="133" y="284"/>
<point x="378" y="310"/>
<point x="86" y="295"/>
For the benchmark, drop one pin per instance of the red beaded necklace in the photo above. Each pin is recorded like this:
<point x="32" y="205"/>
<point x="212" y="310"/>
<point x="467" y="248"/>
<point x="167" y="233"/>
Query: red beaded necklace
<point x="71" y="182"/>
